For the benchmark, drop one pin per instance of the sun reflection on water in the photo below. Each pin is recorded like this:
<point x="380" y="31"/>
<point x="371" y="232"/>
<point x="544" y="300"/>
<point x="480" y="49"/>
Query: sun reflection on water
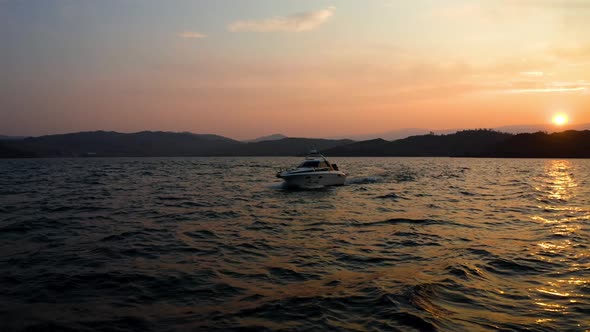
<point x="560" y="180"/>
<point x="557" y="189"/>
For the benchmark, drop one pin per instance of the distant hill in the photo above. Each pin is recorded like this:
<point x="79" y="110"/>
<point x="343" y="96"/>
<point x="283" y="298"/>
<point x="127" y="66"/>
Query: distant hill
<point x="155" y="144"/>
<point x="466" y="143"/>
<point x="12" y="152"/>
<point x="113" y="144"/>
<point x="550" y="128"/>
<point x="10" y="138"/>
<point x="567" y="144"/>
<point x="273" y="137"/>
<point x="374" y="147"/>
<point x="285" y="147"/>
<point x="514" y="129"/>
<point x="461" y="144"/>
<point x="388" y="135"/>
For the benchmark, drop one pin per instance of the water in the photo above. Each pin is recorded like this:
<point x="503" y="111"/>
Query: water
<point x="206" y="244"/>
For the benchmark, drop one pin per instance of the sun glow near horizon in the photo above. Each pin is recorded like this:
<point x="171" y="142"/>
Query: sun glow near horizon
<point x="560" y="119"/>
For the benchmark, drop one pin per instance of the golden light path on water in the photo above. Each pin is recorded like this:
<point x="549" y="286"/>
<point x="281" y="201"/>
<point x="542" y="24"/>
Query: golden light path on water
<point x="556" y="190"/>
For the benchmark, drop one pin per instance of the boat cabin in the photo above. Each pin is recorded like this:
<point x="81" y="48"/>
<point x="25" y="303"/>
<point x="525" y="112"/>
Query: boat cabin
<point x="314" y="164"/>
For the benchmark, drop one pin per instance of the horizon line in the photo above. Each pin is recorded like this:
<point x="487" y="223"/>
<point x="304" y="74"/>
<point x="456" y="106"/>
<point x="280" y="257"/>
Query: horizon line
<point x="334" y="137"/>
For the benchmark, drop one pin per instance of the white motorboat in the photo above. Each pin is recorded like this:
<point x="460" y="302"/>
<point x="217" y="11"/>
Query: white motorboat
<point x="314" y="171"/>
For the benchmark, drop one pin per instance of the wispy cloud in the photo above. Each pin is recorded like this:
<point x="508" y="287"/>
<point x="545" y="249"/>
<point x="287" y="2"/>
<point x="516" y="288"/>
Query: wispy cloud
<point x="580" y="86"/>
<point x="546" y="90"/>
<point x="294" y="23"/>
<point x="192" y="35"/>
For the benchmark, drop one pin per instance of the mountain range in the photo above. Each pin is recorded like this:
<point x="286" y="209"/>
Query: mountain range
<point x="466" y="143"/>
<point x="155" y="144"/>
<point x="514" y="129"/>
<point x="273" y="137"/>
<point x="476" y="143"/>
<point x="9" y="138"/>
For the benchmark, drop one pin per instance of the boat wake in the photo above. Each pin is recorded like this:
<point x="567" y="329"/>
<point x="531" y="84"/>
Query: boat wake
<point x="364" y="180"/>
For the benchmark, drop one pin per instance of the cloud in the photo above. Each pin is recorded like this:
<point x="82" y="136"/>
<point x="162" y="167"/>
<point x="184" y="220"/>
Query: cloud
<point x="546" y="90"/>
<point x="293" y="23"/>
<point x="192" y="35"/>
<point x="580" y="86"/>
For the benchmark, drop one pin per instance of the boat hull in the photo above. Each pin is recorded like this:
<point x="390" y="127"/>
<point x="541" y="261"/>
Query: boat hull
<point x="314" y="179"/>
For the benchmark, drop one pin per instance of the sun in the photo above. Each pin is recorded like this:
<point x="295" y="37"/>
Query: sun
<point x="560" y="119"/>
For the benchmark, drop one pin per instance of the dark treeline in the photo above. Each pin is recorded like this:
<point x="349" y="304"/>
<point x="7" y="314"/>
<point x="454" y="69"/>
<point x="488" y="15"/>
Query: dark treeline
<point x="155" y="144"/>
<point x="467" y="143"/>
<point x="476" y="143"/>
<point x="567" y="144"/>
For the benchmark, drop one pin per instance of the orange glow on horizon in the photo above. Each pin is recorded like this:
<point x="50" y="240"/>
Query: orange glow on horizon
<point x="560" y="119"/>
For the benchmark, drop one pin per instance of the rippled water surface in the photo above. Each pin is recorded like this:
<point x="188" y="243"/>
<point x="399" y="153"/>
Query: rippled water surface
<point x="205" y="244"/>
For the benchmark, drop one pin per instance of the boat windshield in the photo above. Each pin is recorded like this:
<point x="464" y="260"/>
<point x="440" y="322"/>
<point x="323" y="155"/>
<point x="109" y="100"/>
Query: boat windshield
<point x="309" y="164"/>
<point x="313" y="164"/>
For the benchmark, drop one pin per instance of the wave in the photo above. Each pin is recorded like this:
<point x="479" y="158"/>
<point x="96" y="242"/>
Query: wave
<point x="409" y="244"/>
<point x="364" y="180"/>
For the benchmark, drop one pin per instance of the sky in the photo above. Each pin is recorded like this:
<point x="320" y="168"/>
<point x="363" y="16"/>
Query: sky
<point x="314" y="68"/>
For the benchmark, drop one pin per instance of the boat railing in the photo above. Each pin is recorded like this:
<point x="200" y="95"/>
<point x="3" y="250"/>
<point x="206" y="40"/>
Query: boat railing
<point x="314" y="169"/>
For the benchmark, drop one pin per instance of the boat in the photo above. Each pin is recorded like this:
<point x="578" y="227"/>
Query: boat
<point x="314" y="171"/>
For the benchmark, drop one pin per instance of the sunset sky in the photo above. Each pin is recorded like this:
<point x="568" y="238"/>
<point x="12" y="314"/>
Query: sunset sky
<point x="247" y="68"/>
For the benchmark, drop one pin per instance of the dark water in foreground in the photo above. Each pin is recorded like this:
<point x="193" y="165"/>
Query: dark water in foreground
<point x="217" y="244"/>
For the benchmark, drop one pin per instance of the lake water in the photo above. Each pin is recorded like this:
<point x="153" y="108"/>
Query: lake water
<point x="206" y="244"/>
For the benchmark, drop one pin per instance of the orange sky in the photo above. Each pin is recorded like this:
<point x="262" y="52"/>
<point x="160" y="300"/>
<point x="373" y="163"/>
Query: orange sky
<point x="297" y="67"/>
